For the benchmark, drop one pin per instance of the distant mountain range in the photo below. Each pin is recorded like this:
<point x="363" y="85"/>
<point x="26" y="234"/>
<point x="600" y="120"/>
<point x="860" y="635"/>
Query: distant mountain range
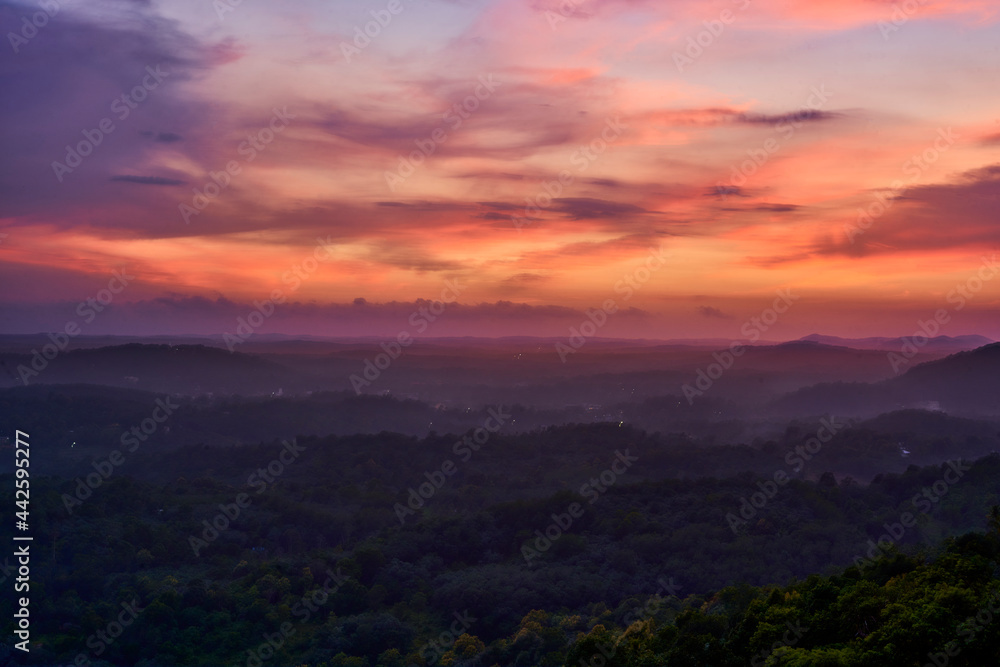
<point x="937" y="344"/>
<point x="814" y="375"/>
<point x="965" y="383"/>
<point x="175" y="369"/>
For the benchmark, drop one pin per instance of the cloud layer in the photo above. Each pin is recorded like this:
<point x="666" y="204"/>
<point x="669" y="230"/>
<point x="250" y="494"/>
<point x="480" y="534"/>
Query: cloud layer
<point x="213" y="155"/>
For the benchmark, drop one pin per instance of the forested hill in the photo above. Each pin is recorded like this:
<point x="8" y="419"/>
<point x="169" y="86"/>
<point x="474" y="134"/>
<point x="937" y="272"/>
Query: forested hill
<point x="217" y="567"/>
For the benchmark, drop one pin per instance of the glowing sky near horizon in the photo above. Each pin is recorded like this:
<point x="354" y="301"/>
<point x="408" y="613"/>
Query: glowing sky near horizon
<point x="740" y="138"/>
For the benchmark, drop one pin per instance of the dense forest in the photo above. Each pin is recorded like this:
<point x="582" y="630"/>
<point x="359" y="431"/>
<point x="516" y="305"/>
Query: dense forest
<point x="334" y="529"/>
<point x="301" y="552"/>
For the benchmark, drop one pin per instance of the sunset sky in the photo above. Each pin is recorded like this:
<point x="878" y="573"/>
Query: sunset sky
<point x="533" y="153"/>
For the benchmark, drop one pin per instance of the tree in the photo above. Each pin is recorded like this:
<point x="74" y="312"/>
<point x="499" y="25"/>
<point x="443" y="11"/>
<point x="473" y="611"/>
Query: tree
<point x="465" y="649"/>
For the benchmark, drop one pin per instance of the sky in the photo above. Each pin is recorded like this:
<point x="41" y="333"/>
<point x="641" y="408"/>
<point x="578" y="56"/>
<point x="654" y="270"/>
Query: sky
<point x="513" y="165"/>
